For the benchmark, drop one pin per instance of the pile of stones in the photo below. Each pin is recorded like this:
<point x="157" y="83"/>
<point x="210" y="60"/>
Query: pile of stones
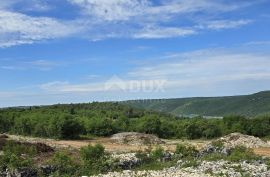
<point x="134" y="138"/>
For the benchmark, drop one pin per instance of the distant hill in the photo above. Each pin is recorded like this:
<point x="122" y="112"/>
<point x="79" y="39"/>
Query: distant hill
<point x="247" y="105"/>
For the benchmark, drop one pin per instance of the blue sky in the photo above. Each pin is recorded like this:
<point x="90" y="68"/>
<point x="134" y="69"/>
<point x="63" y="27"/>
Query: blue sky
<point x="63" y="51"/>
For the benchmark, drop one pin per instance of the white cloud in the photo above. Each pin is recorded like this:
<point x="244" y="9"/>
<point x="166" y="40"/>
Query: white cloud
<point x="17" y="28"/>
<point x="102" y="19"/>
<point x="146" y="19"/>
<point x="29" y="5"/>
<point x="43" y="65"/>
<point x="208" y="66"/>
<point x="163" y="32"/>
<point x="225" y="24"/>
<point x="113" y="9"/>
<point x="254" y="43"/>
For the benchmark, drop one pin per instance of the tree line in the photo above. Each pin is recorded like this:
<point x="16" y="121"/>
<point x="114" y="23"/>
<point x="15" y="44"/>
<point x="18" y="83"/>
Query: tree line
<point x="104" y="119"/>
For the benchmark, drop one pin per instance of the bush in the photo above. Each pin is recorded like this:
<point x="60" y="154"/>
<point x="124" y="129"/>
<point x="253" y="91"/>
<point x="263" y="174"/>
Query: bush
<point x="64" y="164"/>
<point x="219" y="144"/>
<point x="268" y="163"/>
<point x="94" y="159"/>
<point x="100" y="126"/>
<point x="17" y="156"/>
<point x="157" y="153"/>
<point x="194" y="131"/>
<point x="70" y="128"/>
<point x="93" y="153"/>
<point x="143" y="156"/>
<point x="214" y="157"/>
<point x="212" y="131"/>
<point x="186" y="150"/>
<point x="241" y="153"/>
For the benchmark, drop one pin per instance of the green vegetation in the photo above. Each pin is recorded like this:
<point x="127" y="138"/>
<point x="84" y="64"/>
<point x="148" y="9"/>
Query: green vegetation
<point x="186" y="150"/>
<point x="64" y="164"/>
<point x="247" y="105"/>
<point x="240" y="153"/>
<point x="17" y="156"/>
<point x="92" y="160"/>
<point x="157" y="153"/>
<point x="237" y="154"/>
<point x="104" y="119"/>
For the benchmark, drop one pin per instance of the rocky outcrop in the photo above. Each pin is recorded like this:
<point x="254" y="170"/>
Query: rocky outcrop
<point x="134" y="138"/>
<point x="126" y="161"/>
<point x="210" y="148"/>
<point x="23" y="172"/>
<point x="237" y="139"/>
<point x="225" y="144"/>
<point x="3" y="136"/>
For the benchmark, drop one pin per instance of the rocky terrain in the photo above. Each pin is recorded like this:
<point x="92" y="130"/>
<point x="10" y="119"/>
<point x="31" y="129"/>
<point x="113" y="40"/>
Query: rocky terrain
<point x="204" y="169"/>
<point x="128" y="162"/>
<point x="237" y="139"/>
<point x="134" y="138"/>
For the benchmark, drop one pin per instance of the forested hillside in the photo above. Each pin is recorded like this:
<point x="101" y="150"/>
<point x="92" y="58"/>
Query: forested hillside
<point x="104" y="119"/>
<point x="246" y="105"/>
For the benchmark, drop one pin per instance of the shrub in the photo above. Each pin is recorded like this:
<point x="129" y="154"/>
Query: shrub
<point x="186" y="150"/>
<point x="214" y="157"/>
<point x="268" y="163"/>
<point x="193" y="131"/>
<point x="212" y="131"/>
<point x="241" y="153"/>
<point x="70" y="128"/>
<point x="92" y="153"/>
<point x="143" y="156"/>
<point x="219" y="144"/>
<point x="17" y="156"/>
<point x="157" y="153"/>
<point x="64" y="164"/>
<point x="94" y="159"/>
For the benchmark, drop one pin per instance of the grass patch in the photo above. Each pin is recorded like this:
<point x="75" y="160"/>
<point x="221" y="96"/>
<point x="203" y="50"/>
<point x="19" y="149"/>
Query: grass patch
<point x="190" y="163"/>
<point x="17" y="155"/>
<point x="218" y="144"/>
<point x="186" y="150"/>
<point x="214" y="157"/>
<point x="241" y="153"/>
<point x="155" y="165"/>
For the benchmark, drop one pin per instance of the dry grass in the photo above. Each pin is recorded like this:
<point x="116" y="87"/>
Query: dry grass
<point x="263" y="151"/>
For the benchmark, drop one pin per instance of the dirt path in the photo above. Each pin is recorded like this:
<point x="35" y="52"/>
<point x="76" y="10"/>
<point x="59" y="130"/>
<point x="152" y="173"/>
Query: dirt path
<point x="264" y="151"/>
<point x="106" y="142"/>
<point x="112" y="147"/>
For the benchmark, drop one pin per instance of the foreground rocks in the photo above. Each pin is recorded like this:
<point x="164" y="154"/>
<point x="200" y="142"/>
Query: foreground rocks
<point x="134" y="138"/>
<point x="204" y="169"/>
<point x="168" y="172"/>
<point x="126" y="161"/>
<point x="225" y="168"/>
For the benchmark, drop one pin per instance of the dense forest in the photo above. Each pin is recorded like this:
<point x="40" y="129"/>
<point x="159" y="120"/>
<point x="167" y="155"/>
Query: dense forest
<point x="245" y="105"/>
<point x="104" y="119"/>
